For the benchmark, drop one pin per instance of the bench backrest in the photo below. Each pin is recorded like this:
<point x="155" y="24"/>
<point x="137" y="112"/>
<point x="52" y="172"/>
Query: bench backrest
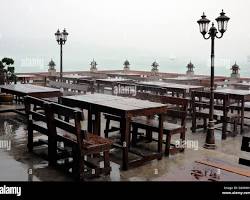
<point x="69" y="88"/>
<point x="201" y="100"/>
<point x="177" y="106"/>
<point x="35" y="109"/>
<point x="58" y="116"/>
<point x="149" y="89"/>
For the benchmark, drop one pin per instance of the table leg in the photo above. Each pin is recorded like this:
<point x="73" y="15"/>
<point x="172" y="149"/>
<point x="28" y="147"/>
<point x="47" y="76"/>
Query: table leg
<point x="125" y="131"/>
<point x="90" y="122"/>
<point x="96" y="122"/>
<point x="242" y="116"/>
<point x="98" y="87"/>
<point x="160" y="133"/>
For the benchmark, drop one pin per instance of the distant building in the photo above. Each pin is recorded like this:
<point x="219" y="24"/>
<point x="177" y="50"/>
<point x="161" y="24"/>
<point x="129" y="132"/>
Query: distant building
<point x="155" y="69"/>
<point x="52" y="69"/>
<point x="93" y="65"/>
<point x="126" y="65"/>
<point x="235" y="71"/>
<point x="190" y="69"/>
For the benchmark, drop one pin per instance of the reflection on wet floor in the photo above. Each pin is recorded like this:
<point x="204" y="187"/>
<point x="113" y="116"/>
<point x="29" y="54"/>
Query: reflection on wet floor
<point x="17" y="164"/>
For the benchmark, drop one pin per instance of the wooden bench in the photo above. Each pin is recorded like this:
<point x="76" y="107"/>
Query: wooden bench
<point x="37" y="121"/>
<point x="84" y="145"/>
<point x="200" y="104"/>
<point x="52" y="120"/>
<point x="177" y="110"/>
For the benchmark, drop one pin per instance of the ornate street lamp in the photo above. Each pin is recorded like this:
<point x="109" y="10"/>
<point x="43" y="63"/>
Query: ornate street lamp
<point x="222" y="21"/>
<point x="61" y="38"/>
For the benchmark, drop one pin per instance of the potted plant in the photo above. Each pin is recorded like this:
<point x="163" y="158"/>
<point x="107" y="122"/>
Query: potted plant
<point x="6" y="76"/>
<point x="10" y="71"/>
<point x="2" y="74"/>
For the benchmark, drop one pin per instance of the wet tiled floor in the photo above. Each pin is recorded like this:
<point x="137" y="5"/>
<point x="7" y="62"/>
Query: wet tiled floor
<point x="17" y="164"/>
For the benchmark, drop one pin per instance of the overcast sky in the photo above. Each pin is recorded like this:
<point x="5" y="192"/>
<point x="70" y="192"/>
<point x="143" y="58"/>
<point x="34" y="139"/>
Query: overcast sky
<point x="112" y="30"/>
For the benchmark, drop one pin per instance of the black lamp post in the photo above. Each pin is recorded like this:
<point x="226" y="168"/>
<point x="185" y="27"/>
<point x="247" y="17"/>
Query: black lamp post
<point x="222" y="21"/>
<point x="61" y="38"/>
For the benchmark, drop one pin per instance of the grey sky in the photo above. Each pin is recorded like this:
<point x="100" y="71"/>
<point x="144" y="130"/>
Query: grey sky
<point x="113" y="30"/>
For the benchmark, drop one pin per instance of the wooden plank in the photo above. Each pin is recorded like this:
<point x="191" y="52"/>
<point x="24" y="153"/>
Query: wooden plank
<point x="226" y="167"/>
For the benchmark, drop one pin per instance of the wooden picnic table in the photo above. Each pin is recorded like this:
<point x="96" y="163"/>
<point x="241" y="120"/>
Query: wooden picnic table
<point x="109" y="82"/>
<point x="185" y="79"/>
<point x="171" y="86"/>
<point x="243" y="86"/>
<point x="21" y="90"/>
<point x="125" y="75"/>
<point x="124" y="107"/>
<point x="25" y="78"/>
<point x="240" y="95"/>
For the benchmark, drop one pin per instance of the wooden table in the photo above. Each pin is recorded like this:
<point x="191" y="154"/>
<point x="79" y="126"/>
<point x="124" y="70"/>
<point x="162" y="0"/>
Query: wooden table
<point x="243" y="86"/>
<point x="25" y="78"/>
<point x="240" y="95"/>
<point x="109" y="82"/>
<point x="125" y="75"/>
<point x="21" y="90"/>
<point x="184" y="89"/>
<point x="185" y="79"/>
<point x="124" y="107"/>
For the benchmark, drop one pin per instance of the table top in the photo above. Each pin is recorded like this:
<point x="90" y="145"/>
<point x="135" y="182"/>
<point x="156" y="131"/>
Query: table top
<point x="170" y="85"/>
<point x="186" y="78"/>
<point x="111" y="80"/>
<point x="76" y="76"/>
<point x="117" y="102"/>
<point x="25" y="76"/>
<point x="124" y="74"/>
<point x="233" y="91"/>
<point x="28" y="88"/>
<point x="242" y="84"/>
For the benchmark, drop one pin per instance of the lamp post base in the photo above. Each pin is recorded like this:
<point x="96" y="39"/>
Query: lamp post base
<point x="209" y="146"/>
<point x="210" y="139"/>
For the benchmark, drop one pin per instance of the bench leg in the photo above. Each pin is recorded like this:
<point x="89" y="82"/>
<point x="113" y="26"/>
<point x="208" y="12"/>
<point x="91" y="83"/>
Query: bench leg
<point x="167" y="148"/>
<point x="224" y="129"/>
<point x="149" y="135"/>
<point x="52" y="150"/>
<point x="30" y="139"/>
<point x="134" y="135"/>
<point x="78" y="165"/>
<point x="235" y="124"/>
<point x="193" y="128"/>
<point x="106" y="131"/>
<point x="106" y="162"/>
<point x="205" y="123"/>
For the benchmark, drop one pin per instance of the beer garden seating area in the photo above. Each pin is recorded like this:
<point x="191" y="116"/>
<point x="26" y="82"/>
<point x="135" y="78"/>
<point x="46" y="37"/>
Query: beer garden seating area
<point x="140" y="118"/>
